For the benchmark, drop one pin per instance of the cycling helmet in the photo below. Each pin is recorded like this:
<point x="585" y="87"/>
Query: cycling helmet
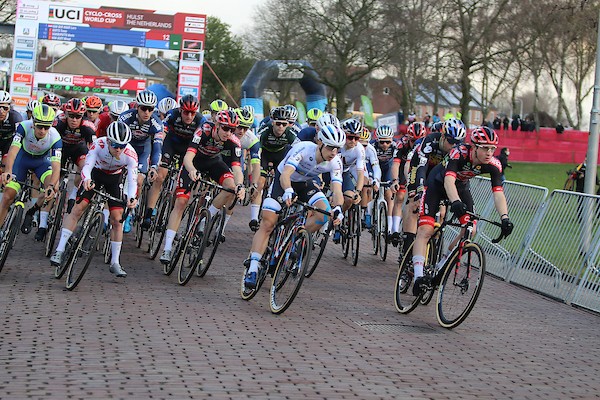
<point x="118" y="132"/>
<point x="246" y="119"/>
<point x="455" y="129"/>
<point x="249" y="108"/>
<point x="365" y="134"/>
<point x="43" y="114"/>
<point x="166" y="105"/>
<point x="93" y="103"/>
<point x="482" y="135"/>
<point x="218" y="105"/>
<point x="332" y="135"/>
<point x="117" y="107"/>
<point x="132" y="104"/>
<point x="146" y="98"/>
<point x="292" y="111"/>
<point x="227" y="117"/>
<point x="352" y="127"/>
<point x="437" y="127"/>
<point x="416" y="130"/>
<point x="313" y="115"/>
<point x="75" y="106"/>
<point x="51" y="99"/>
<point x="32" y="104"/>
<point x="280" y="114"/>
<point x="189" y="102"/>
<point x="384" y="132"/>
<point x="5" y="97"/>
<point x="328" y="119"/>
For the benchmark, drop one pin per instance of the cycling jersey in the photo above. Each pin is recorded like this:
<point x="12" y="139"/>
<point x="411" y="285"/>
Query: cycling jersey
<point x="8" y="126"/>
<point x="308" y="134"/>
<point x="204" y="144"/>
<point x="460" y="165"/>
<point x="303" y="157"/>
<point x="176" y="129"/>
<point x="25" y="139"/>
<point x="143" y="133"/>
<point x="273" y="144"/>
<point x="353" y="159"/>
<point x="104" y="121"/>
<point x="372" y="168"/>
<point x="251" y="143"/>
<point x="99" y="158"/>
<point x="82" y="134"/>
<point x="425" y="156"/>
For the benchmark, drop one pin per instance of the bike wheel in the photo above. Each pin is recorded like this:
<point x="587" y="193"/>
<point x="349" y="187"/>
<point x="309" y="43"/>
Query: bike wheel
<point x="460" y="285"/>
<point x="404" y="300"/>
<point x="319" y="243"/>
<point x="212" y="240"/>
<point x="55" y="222"/>
<point x="159" y="227"/>
<point x="569" y="184"/>
<point x="345" y="234"/>
<point x="375" y="233"/>
<point x="382" y="230"/>
<point x="106" y="247"/>
<point x="192" y="250"/>
<point x="83" y="253"/>
<point x="295" y="256"/>
<point x="11" y="227"/>
<point x="354" y="233"/>
<point x="140" y="214"/>
<point x="180" y="236"/>
<point x="263" y="271"/>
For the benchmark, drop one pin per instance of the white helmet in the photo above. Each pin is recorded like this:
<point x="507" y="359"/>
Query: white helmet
<point x="249" y="108"/>
<point x="166" y="105"/>
<point x="384" y="132"/>
<point x="117" y="107"/>
<point x="5" y="97"/>
<point x="32" y="104"/>
<point x="332" y="135"/>
<point x="146" y="98"/>
<point x="328" y="119"/>
<point x="118" y="132"/>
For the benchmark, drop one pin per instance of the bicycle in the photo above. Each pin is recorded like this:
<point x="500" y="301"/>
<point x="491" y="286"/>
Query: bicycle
<point x="14" y="217"/>
<point x="379" y="223"/>
<point x="140" y="211"/>
<point x="459" y="279"/>
<point x="84" y="241"/>
<point x="350" y="233"/>
<point x="56" y="216"/>
<point x="319" y="242"/>
<point x="286" y="259"/>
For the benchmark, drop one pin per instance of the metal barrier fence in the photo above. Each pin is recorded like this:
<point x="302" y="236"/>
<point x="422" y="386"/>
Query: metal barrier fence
<point x="555" y="246"/>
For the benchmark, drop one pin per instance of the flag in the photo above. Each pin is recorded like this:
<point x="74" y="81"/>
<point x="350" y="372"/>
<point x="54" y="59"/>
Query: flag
<point x="301" y="112"/>
<point x="368" y="111"/>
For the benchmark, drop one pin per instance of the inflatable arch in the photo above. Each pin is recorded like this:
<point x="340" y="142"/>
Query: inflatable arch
<point x="266" y="71"/>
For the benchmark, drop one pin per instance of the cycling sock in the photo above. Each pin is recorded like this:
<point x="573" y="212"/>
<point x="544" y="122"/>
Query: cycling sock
<point x="169" y="237"/>
<point x="32" y="202"/>
<point x="254" y="261"/>
<point x="73" y="193"/>
<point x="213" y="210"/>
<point x="65" y="234"/>
<point x="370" y="207"/>
<point x="418" y="263"/>
<point x="254" y="211"/>
<point x="106" y="214"/>
<point x="396" y="223"/>
<point x="115" y="248"/>
<point x="43" y="219"/>
<point x="227" y="217"/>
<point x="390" y="223"/>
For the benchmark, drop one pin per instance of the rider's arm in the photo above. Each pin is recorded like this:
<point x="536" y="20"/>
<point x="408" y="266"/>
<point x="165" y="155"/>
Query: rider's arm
<point x="132" y="174"/>
<point x="90" y="162"/>
<point x="450" y="186"/>
<point x="500" y="204"/>
<point x="55" y="156"/>
<point x="284" y="179"/>
<point x="10" y="157"/>
<point x="188" y="160"/>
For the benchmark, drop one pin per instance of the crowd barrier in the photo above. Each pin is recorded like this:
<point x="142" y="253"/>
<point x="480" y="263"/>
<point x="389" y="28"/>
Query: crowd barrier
<point x="555" y="246"/>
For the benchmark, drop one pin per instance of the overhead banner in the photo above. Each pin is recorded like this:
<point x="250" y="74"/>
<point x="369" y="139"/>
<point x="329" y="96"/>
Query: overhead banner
<point x="85" y="83"/>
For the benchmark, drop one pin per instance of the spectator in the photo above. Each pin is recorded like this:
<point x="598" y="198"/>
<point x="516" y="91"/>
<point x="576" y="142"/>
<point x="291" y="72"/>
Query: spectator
<point x="427" y="120"/>
<point x="506" y="122"/>
<point x="503" y="158"/>
<point x="559" y="128"/>
<point x="497" y="123"/>
<point x="436" y="118"/>
<point x="516" y="121"/>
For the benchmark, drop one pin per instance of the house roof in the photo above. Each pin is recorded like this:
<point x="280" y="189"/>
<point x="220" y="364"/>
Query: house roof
<point x="169" y="64"/>
<point x="108" y="62"/>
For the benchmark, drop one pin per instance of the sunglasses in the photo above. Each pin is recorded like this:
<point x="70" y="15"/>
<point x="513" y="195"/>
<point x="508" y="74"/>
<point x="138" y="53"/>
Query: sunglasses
<point x="4" y="108"/>
<point x="186" y="112"/>
<point x="488" y="149"/>
<point x="385" y="142"/>
<point x="227" y="128"/>
<point x="117" y="145"/>
<point x="243" y="128"/>
<point x="451" y="140"/>
<point x="42" y="127"/>
<point x="146" y="108"/>
<point x="281" y="123"/>
<point x="93" y="111"/>
<point x="75" y="116"/>
<point x="352" y="137"/>
<point x="332" y="148"/>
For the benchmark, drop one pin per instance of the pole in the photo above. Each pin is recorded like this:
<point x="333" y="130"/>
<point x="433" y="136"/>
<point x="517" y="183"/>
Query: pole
<point x="592" y="151"/>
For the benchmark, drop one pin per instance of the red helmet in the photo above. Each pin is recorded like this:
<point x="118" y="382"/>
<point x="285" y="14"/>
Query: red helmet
<point x="189" y="102"/>
<point x="75" y="106"/>
<point x="51" y="99"/>
<point x="483" y="135"/>
<point x="227" y="117"/>
<point x="416" y="130"/>
<point x="93" y="103"/>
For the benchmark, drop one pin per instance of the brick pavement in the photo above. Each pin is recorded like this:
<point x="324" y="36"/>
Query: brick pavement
<point x="147" y="337"/>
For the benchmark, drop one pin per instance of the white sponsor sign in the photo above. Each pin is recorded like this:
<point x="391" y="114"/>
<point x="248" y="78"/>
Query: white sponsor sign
<point x="23" y="66"/>
<point x="189" y="80"/>
<point x="190" y="67"/>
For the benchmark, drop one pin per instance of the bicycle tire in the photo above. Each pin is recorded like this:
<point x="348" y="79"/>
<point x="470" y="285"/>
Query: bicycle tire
<point x="319" y="240"/>
<point x="288" y="276"/>
<point x="456" y="300"/>
<point x="355" y="229"/>
<point x="12" y="223"/>
<point x="382" y="230"/>
<point x="192" y="250"/>
<point x="55" y="222"/>
<point x="432" y="256"/>
<point x="159" y="227"/>
<point x="86" y="246"/>
<point x="184" y="227"/>
<point x="212" y="240"/>
<point x="263" y="271"/>
<point x="404" y="301"/>
<point x="345" y="235"/>
<point x="140" y="214"/>
<point x="374" y="233"/>
<point x="106" y="246"/>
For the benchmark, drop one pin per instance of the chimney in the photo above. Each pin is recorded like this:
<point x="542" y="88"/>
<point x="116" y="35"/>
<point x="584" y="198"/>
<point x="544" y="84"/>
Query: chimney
<point x="152" y="57"/>
<point x="136" y="51"/>
<point x="44" y="53"/>
<point x="108" y="48"/>
<point x="160" y="54"/>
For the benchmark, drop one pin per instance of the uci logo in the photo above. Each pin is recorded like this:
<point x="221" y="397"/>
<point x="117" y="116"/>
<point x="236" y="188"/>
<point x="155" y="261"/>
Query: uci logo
<point x="65" y="14"/>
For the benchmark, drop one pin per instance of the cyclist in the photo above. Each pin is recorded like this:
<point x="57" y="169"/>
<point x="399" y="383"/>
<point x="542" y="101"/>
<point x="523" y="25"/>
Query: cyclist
<point x="36" y="146"/>
<point x="9" y="119"/>
<point x="310" y="133"/>
<point x="427" y="155"/>
<point x="29" y="110"/>
<point x="353" y="160"/>
<point x="115" y="108"/>
<point x="293" y="118"/>
<point x="147" y="138"/>
<point x="415" y="132"/>
<point x="450" y="180"/>
<point x="312" y="116"/>
<point x="214" y="107"/>
<point x="386" y="148"/>
<point x="250" y="144"/>
<point x="372" y="173"/>
<point x="165" y="105"/>
<point x="294" y="176"/>
<point x="93" y="105"/>
<point x="108" y="159"/>
<point x="53" y="101"/>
